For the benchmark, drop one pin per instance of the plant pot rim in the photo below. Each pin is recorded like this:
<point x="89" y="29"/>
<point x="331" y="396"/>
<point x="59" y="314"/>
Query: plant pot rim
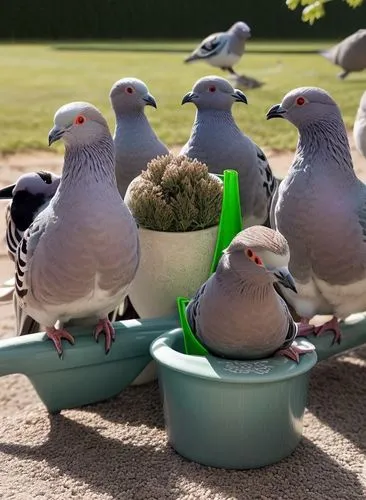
<point x="267" y="370"/>
<point x="145" y="229"/>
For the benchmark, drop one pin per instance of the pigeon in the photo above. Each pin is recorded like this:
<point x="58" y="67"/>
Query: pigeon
<point x="321" y="211"/>
<point x="349" y="54"/>
<point x="80" y="254"/>
<point x="359" y="128"/>
<point x="223" y="50"/>
<point x="135" y="141"/>
<point x="237" y="313"/>
<point x="217" y="141"/>
<point x="29" y="195"/>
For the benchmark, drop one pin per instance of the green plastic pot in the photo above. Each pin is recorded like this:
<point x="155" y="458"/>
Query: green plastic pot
<point x="231" y="414"/>
<point x="85" y="374"/>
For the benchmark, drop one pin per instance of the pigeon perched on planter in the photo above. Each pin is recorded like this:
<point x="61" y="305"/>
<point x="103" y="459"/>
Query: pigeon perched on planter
<point x="217" y="141"/>
<point x="79" y="256"/>
<point x="135" y="141"/>
<point x="349" y="54"/>
<point x="321" y="211"/>
<point x="237" y="313"/>
<point x="359" y="128"/>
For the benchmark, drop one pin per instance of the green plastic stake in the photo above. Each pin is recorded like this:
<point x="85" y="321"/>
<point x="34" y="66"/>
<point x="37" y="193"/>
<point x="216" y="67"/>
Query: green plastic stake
<point x="230" y="224"/>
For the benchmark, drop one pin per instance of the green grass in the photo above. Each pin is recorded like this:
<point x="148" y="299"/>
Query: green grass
<point x="36" y="79"/>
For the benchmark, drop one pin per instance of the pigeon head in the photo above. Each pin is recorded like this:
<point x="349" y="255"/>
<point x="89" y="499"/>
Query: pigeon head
<point x="33" y="183"/>
<point x="266" y="251"/>
<point x="78" y="123"/>
<point x="130" y="94"/>
<point x="305" y="105"/>
<point x="213" y="92"/>
<point x="240" y="29"/>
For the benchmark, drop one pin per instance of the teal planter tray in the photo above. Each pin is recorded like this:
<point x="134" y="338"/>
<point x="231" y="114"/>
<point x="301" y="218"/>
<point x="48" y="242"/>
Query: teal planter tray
<point x="231" y="414"/>
<point x="86" y="374"/>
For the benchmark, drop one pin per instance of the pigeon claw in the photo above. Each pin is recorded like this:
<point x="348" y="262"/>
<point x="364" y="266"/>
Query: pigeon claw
<point x="333" y="326"/>
<point x="106" y="327"/>
<point x="294" y="351"/>
<point x="56" y="335"/>
<point x="305" y="329"/>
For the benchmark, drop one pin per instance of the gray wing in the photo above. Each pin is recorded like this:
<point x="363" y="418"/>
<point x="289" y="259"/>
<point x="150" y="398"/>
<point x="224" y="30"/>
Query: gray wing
<point x="25" y="253"/>
<point x="292" y="328"/>
<point x="269" y="181"/>
<point x="193" y="309"/>
<point x="210" y="46"/>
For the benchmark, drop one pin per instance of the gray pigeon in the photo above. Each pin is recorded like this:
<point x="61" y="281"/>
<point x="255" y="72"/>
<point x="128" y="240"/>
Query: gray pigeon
<point x="29" y="196"/>
<point x="349" y="54"/>
<point x="217" y="141"/>
<point x="237" y="313"/>
<point x="79" y="256"/>
<point x="321" y="211"/>
<point x="135" y="141"/>
<point x="359" y="128"/>
<point x="223" y="50"/>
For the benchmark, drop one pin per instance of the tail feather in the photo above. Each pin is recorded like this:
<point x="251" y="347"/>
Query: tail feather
<point x="24" y="323"/>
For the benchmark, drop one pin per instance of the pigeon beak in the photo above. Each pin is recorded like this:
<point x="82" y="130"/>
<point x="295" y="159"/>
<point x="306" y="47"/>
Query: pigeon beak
<point x="239" y="96"/>
<point x="189" y="97"/>
<point x="276" y="111"/>
<point x="7" y="192"/>
<point x="150" y="101"/>
<point x="285" y="278"/>
<point x="55" y="134"/>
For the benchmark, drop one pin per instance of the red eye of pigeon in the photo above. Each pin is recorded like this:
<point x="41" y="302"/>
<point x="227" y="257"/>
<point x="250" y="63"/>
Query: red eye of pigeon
<point x="212" y="88"/>
<point x="300" y="101"/>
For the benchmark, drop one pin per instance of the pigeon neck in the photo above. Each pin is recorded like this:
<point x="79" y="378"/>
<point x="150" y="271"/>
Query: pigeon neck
<point x="89" y="163"/>
<point x="326" y="138"/>
<point x="211" y="116"/>
<point x="133" y="122"/>
<point x="251" y="282"/>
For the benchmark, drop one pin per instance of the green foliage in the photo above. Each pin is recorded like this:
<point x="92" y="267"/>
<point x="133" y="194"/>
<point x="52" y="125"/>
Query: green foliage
<point x="315" y="9"/>
<point x="176" y="194"/>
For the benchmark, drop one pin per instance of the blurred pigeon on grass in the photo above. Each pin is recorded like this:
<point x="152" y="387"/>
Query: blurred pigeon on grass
<point x="359" y="128"/>
<point x="79" y="256"/>
<point x="223" y="50"/>
<point x="135" y="141"/>
<point x="217" y="141"/>
<point x="321" y="211"/>
<point x="237" y="313"/>
<point x="349" y="54"/>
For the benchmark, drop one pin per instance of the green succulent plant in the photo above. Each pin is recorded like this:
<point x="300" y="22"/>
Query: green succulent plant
<point x="176" y="194"/>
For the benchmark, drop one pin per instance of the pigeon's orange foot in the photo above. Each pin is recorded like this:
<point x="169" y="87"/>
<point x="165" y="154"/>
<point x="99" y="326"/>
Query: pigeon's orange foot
<point x="295" y="350"/>
<point x="56" y="335"/>
<point x="333" y="326"/>
<point x="305" y="329"/>
<point x="104" y="325"/>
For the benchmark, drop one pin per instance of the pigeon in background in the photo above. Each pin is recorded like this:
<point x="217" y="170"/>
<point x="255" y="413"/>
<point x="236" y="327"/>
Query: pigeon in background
<point x="80" y="254"/>
<point x="321" y="211"/>
<point x="237" y="313"/>
<point x="135" y="141"/>
<point x="349" y="54"/>
<point x="223" y="50"/>
<point x="217" y="141"/>
<point x="359" y="128"/>
<point x="29" y="196"/>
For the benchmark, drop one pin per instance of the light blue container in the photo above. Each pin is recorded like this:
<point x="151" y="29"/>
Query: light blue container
<point x="231" y="414"/>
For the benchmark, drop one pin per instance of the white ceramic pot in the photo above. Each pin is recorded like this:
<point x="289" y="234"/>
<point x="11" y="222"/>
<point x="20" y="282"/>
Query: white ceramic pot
<point x="171" y="265"/>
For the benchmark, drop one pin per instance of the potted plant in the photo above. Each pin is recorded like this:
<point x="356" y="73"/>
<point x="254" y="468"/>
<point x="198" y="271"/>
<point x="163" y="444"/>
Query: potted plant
<point x="177" y="204"/>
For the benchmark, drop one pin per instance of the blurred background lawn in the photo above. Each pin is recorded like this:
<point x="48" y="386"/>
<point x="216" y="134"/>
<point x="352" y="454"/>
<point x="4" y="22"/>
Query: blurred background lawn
<point x="36" y="79"/>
